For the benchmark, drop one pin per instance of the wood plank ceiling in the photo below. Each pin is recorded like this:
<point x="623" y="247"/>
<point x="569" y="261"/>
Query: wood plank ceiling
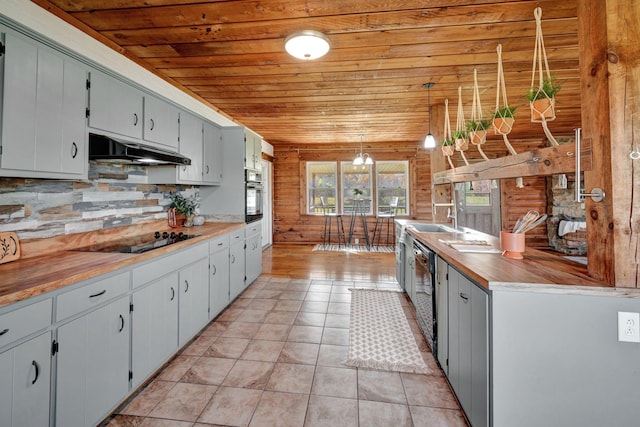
<point x="230" y="53"/>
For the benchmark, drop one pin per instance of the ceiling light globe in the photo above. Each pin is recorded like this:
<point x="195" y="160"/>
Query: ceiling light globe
<point x="307" y="45"/>
<point x="368" y="161"/>
<point x="429" y="141"/>
<point x="358" y="160"/>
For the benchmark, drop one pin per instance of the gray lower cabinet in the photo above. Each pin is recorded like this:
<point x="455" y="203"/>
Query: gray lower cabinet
<point x="154" y="326"/>
<point x="236" y="264"/>
<point x="218" y="275"/>
<point x="193" y="301"/>
<point x="92" y="364"/>
<point x="25" y="383"/>
<point x="468" y="367"/>
<point x="253" y="251"/>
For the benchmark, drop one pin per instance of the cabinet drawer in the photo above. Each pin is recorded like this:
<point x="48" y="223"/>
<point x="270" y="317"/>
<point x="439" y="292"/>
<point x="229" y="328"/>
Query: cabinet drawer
<point x="236" y="236"/>
<point x="219" y="242"/>
<point x="24" y="321"/>
<point x="172" y="262"/>
<point x="253" y="229"/>
<point x="91" y="295"/>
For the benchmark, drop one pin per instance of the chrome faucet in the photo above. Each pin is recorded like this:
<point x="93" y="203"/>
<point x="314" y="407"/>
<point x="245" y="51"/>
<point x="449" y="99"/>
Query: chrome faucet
<point x="452" y="212"/>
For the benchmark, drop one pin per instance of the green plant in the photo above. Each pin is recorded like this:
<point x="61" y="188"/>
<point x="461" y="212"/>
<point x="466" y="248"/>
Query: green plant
<point x="357" y="192"/>
<point x="504" y="112"/>
<point x="448" y="142"/>
<point x="549" y="89"/>
<point x="475" y="125"/>
<point x="183" y="205"/>
<point x="459" y="134"/>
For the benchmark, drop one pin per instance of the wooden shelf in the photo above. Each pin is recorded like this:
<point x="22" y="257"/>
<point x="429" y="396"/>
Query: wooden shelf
<point x="540" y="162"/>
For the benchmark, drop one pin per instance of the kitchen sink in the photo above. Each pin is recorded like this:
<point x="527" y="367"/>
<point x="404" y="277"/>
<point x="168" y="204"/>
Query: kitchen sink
<point x="432" y="228"/>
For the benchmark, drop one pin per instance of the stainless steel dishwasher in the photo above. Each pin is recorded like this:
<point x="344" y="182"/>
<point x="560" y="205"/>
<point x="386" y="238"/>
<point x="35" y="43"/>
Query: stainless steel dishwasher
<point x="424" y="293"/>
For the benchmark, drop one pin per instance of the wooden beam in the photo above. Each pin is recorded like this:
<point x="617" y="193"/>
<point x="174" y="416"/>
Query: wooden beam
<point x="540" y="162"/>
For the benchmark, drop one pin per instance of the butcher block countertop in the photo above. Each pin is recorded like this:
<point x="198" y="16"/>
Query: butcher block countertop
<point x="59" y="265"/>
<point x="540" y="271"/>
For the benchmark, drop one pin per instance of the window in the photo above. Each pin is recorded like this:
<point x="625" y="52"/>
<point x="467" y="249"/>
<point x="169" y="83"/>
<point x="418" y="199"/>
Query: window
<point x="341" y="186"/>
<point x="356" y="183"/>
<point x="321" y="182"/>
<point x="393" y="181"/>
<point x="477" y="193"/>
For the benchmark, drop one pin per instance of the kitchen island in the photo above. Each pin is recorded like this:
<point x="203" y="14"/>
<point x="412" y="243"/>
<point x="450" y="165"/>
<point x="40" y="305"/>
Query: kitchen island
<point x="531" y="342"/>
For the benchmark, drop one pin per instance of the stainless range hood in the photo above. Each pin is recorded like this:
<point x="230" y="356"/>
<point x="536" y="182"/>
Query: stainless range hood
<point x="105" y="148"/>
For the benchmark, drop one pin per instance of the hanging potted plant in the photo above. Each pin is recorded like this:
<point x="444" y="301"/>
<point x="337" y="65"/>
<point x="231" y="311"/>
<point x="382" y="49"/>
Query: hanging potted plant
<point x="503" y="119"/>
<point x="448" y="146"/>
<point x="477" y="130"/>
<point x="542" y="99"/>
<point x="460" y="138"/>
<point x="182" y="210"/>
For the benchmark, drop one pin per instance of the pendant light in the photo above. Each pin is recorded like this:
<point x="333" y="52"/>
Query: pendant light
<point x="362" y="159"/>
<point x="429" y="140"/>
<point x="307" y="44"/>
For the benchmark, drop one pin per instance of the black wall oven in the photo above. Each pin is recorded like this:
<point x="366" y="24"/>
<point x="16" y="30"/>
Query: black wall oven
<point x="253" y="196"/>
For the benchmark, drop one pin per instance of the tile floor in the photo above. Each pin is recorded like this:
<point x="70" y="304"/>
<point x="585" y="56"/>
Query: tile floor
<point x="274" y="358"/>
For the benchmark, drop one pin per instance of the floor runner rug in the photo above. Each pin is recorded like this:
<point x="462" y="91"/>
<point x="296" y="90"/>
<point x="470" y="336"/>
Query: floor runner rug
<point x="380" y="336"/>
<point x="354" y="248"/>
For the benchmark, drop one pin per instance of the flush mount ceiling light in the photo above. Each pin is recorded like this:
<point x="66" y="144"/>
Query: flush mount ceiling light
<point x="307" y="44"/>
<point x="429" y="140"/>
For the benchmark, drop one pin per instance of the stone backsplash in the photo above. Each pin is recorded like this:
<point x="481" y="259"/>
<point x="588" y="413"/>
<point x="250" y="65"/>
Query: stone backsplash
<point x="114" y="196"/>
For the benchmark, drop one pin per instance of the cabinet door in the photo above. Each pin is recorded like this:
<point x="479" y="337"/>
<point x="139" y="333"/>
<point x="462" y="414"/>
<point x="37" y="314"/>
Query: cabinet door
<point x="464" y="340"/>
<point x="115" y="106"/>
<point x="93" y="364"/>
<point x="161" y="122"/>
<point x="453" y="307"/>
<point x="480" y="357"/>
<point x="212" y="165"/>
<point x="409" y="268"/>
<point x="74" y="122"/>
<point x="191" y="146"/>
<point x="253" y="258"/>
<point x="218" y="281"/>
<point x="19" y="103"/>
<point x="25" y="384"/>
<point x="154" y="326"/>
<point x="236" y="269"/>
<point x="193" y="299"/>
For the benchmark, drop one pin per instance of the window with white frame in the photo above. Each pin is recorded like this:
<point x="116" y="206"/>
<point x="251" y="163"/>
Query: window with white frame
<point x="356" y="188"/>
<point x="392" y="180"/>
<point x="321" y="182"/>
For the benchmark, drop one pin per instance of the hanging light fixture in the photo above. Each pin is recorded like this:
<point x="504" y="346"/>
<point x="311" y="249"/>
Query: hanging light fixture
<point x="307" y="44"/>
<point x="362" y="159"/>
<point x="429" y="140"/>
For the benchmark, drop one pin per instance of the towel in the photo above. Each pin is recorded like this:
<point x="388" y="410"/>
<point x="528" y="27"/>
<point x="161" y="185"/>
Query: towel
<point x="403" y="234"/>
<point x="565" y="227"/>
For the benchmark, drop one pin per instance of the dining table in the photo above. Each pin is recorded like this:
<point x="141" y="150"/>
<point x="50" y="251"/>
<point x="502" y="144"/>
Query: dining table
<point x="359" y="209"/>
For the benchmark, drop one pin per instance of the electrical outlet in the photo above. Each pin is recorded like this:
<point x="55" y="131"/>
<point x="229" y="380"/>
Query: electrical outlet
<point x="356" y="241"/>
<point x="628" y="326"/>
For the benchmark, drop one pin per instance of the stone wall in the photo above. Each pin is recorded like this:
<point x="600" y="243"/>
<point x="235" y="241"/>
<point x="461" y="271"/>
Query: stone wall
<point x="114" y="196"/>
<point x="562" y="204"/>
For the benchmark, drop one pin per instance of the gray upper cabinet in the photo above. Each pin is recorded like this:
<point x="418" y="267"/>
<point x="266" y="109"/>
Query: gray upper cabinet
<point x="212" y="165"/>
<point x="253" y="150"/>
<point x="191" y="146"/>
<point x="43" y="132"/>
<point x="161" y="123"/>
<point x="114" y="106"/>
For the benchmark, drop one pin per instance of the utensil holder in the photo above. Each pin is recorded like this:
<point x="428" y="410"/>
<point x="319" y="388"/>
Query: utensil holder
<point x="512" y="244"/>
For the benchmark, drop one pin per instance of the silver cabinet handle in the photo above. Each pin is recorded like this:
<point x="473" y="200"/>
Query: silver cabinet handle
<point x="464" y="296"/>
<point x="233" y="259"/>
<point x="207" y="172"/>
<point x="215" y="270"/>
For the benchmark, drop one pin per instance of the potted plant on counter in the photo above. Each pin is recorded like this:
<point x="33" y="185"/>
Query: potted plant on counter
<point x="182" y="209"/>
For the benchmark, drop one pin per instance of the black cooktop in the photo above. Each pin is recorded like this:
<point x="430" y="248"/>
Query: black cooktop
<point x="139" y="244"/>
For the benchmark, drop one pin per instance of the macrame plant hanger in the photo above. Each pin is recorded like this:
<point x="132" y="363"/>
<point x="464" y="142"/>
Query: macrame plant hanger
<point x="502" y="121"/>
<point x="543" y="108"/>
<point x="460" y="136"/>
<point x="478" y="136"/>
<point x="447" y="150"/>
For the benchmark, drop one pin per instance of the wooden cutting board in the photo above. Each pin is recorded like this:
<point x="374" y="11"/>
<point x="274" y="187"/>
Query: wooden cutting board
<point x="9" y="247"/>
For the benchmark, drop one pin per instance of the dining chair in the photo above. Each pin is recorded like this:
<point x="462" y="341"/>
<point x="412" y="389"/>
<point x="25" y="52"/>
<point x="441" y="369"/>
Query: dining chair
<point x="387" y="216"/>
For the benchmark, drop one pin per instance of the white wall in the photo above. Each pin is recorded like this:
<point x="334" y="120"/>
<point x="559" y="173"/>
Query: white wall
<point x="39" y="20"/>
